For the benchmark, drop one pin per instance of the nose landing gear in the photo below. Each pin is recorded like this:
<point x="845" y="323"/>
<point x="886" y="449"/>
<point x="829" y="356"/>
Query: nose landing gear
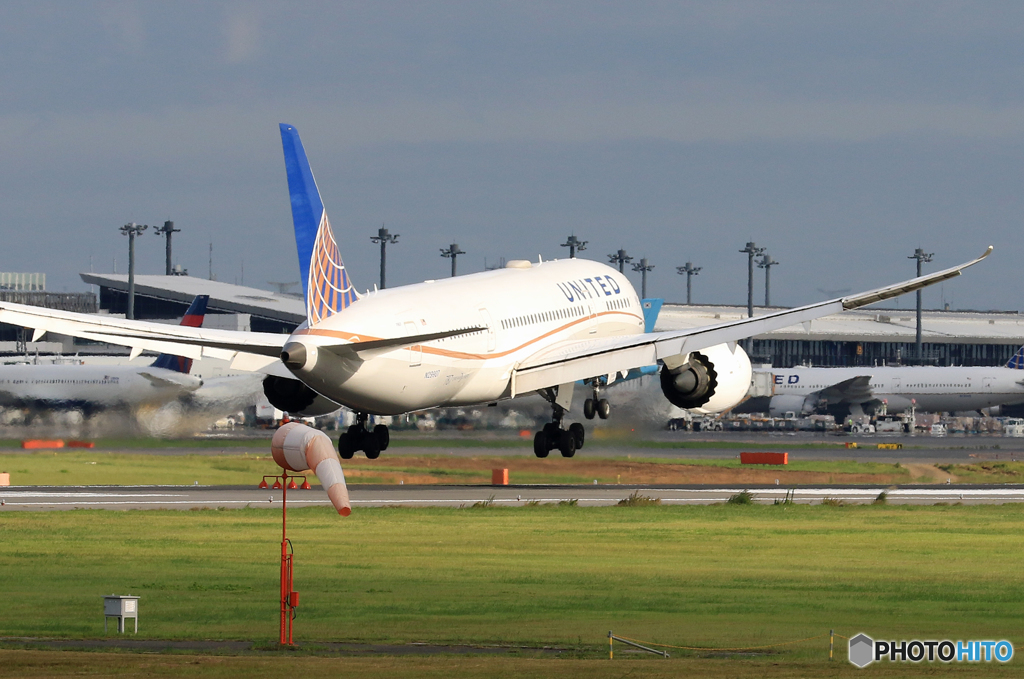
<point x="358" y="437"/>
<point x="596" y="406"/>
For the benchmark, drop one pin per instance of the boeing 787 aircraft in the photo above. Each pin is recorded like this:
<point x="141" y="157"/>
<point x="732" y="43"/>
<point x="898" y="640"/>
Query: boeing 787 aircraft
<point x="859" y="391"/>
<point x="480" y="338"/>
<point x="90" y="388"/>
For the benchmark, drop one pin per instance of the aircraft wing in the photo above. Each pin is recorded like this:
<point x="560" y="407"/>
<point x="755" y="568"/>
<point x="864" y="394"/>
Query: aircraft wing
<point x="254" y="351"/>
<point x="854" y="390"/>
<point x="172" y="380"/>
<point x="583" y="359"/>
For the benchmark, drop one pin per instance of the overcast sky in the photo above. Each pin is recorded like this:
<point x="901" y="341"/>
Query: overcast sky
<point x="841" y="136"/>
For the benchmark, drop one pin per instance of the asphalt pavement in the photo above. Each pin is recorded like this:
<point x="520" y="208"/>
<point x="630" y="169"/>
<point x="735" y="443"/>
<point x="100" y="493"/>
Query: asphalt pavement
<point x="51" y="498"/>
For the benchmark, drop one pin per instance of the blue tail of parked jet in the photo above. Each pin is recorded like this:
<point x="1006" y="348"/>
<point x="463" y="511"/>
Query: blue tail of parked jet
<point x="193" y="318"/>
<point x="325" y="283"/>
<point x="1017" y="362"/>
<point x="651" y="307"/>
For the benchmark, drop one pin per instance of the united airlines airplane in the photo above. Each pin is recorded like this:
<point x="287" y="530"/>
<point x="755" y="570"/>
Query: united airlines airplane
<point x="90" y="388"/>
<point x="529" y="327"/>
<point x="860" y="391"/>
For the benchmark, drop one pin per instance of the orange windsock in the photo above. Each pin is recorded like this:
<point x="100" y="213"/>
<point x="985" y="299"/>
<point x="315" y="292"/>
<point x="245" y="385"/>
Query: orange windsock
<point x="298" y="447"/>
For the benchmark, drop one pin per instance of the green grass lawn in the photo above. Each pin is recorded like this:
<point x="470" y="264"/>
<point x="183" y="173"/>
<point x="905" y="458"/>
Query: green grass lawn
<point x="720" y="576"/>
<point x="103" y="467"/>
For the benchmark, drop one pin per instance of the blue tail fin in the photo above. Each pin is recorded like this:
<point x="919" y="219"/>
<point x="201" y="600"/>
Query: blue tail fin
<point x="325" y="282"/>
<point x="1017" y="362"/>
<point x="193" y="318"/>
<point x="651" y="307"/>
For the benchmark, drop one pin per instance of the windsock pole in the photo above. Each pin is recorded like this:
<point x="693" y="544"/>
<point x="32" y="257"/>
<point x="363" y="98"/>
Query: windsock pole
<point x="297" y="447"/>
<point x="289" y="597"/>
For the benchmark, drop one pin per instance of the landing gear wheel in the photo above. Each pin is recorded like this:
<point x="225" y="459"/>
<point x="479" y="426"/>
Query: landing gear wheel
<point x="382" y="435"/>
<point x="345" y="447"/>
<point x="371" y="446"/>
<point x="567" y="444"/>
<point x="540" y="444"/>
<point x="551" y="431"/>
<point x="604" y="409"/>
<point x="576" y="429"/>
<point x="589" y="409"/>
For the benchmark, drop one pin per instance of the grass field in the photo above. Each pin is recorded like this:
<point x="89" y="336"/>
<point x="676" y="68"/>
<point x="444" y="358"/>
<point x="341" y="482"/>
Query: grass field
<point x="99" y="467"/>
<point x="720" y="576"/>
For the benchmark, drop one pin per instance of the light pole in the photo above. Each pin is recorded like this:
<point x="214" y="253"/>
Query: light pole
<point x="620" y="258"/>
<point x="453" y="251"/>
<point x="574" y="244"/>
<point x="767" y="263"/>
<point x="383" y="237"/>
<point x="752" y="251"/>
<point x="132" y="230"/>
<point x="921" y="256"/>
<point x="643" y="266"/>
<point x="166" y="230"/>
<point x="690" y="270"/>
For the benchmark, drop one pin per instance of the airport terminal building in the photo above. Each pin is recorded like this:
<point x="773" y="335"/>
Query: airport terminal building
<point x="863" y="337"/>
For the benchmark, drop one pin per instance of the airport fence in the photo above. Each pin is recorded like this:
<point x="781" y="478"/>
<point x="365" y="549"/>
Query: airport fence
<point x="647" y="645"/>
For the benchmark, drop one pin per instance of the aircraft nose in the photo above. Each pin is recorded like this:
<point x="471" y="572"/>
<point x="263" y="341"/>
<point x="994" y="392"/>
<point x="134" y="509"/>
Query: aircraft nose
<point x="293" y="355"/>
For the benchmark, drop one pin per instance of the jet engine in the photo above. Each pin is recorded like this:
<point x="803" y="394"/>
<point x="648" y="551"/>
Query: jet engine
<point x="707" y="381"/>
<point x="295" y="398"/>
<point x="795" y="403"/>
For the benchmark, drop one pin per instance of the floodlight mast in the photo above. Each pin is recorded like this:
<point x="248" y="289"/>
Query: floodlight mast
<point x="752" y="251"/>
<point x="620" y="258"/>
<point x="383" y="237"/>
<point x="767" y="263"/>
<point x="575" y="245"/>
<point x="452" y="252"/>
<point x="166" y="230"/>
<point x="132" y="230"/>
<point x="690" y="270"/>
<point x="643" y="266"/>
<point x="921" y="256"/>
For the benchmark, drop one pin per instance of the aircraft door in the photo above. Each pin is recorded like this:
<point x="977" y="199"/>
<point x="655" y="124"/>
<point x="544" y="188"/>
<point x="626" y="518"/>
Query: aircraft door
<point x="416" y="351"/>
<point x="592" y="318"/>
<point x="490" y="336"/>
<point x="986" y="384"/>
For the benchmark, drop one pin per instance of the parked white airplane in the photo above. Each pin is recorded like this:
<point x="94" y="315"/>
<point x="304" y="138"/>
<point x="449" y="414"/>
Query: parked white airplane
<point x="90" y="388"/>
<point x="859" y="391"/>
<point x="530" y="327"/>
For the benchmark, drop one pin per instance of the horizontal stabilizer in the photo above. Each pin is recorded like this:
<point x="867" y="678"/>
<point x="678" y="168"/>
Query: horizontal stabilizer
<point x="398" y="342"/>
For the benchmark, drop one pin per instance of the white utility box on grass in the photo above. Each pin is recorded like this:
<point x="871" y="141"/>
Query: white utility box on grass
<point x="120" y="607"/>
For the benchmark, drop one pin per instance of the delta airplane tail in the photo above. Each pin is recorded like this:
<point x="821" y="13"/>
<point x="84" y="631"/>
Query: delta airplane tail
<point x="193" y="318"/>
<point x="1017" y="362"/>
<point x="325" y="283"/>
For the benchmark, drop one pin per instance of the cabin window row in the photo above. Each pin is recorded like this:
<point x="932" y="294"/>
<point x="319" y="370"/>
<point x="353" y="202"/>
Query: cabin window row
<point x="543" y="317"/>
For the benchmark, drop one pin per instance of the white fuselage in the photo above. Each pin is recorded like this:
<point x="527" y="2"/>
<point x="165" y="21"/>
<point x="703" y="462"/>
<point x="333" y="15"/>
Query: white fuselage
<point x="523" y="311"/>
<point x="90" y="386"/>
<point x="929" y="389"/>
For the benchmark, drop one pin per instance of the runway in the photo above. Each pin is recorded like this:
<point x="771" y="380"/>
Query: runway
<point x="54" y="498"/>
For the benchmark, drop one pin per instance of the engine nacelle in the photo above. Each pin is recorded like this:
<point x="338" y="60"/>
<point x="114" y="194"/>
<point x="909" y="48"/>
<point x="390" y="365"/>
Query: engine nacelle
<point x="794" y="403"/>
<point x="709" y="381"/>
<point x="295" y="398"/>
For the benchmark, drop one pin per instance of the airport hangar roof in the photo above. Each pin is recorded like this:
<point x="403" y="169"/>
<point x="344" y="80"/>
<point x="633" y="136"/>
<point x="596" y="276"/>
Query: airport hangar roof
<point x="224" y="297"/>
<point x="866" y="324"/>
<point x="861" y="325"/>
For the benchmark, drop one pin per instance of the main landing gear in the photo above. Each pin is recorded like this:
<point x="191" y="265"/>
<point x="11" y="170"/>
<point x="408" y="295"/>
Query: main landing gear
<point x="552" y="436"/>
<point x="358" y="437"/>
